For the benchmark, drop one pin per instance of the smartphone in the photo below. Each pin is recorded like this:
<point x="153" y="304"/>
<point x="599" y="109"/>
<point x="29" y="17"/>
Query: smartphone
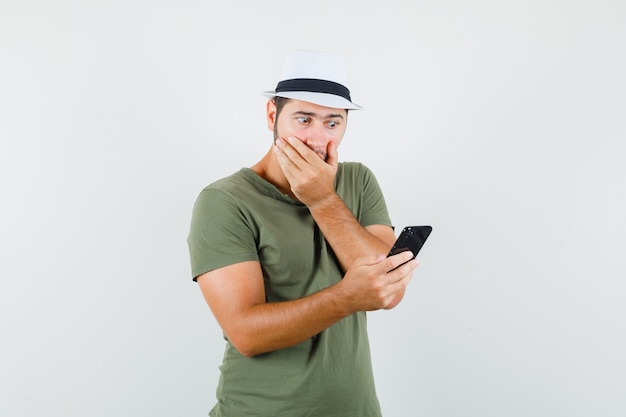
<point x="411" y="238"/>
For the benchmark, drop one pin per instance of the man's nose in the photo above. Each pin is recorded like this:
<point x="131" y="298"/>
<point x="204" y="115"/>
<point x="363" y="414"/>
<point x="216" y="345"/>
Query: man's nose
<point x="317" y="136"/>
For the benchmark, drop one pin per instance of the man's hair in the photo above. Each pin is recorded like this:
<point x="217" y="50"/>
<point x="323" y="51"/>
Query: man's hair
<point x="280" y="103"/>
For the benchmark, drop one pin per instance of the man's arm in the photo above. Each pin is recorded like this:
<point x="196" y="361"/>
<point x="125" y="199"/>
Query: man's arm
<point x="312" y="181"/>
<point x="236" y="296"/>
<point x="346" y="236"/>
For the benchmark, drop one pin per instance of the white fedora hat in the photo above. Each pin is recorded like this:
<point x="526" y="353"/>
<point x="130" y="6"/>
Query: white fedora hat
<point x="316" y="77"/>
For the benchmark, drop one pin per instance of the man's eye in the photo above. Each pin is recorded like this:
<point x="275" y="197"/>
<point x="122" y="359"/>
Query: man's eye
<point x="331" y="124"/>
<point x="303" y="119"/>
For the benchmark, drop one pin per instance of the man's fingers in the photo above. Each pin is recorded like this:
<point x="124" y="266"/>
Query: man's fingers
<point x="305" y="153"/>
<point x="333" y="157"/>
<point x="282" y="147"/>
<point x="286" y="156"/>
<point x="398" y="259"/>
<point x="299" y="146"/>
<point x="293" y="148"/>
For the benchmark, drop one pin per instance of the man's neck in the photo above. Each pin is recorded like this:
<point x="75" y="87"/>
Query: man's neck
<point x="268" y="169"/>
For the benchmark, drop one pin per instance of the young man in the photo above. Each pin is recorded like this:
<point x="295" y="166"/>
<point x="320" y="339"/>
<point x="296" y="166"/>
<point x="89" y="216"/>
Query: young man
<point x="291" y="253"/>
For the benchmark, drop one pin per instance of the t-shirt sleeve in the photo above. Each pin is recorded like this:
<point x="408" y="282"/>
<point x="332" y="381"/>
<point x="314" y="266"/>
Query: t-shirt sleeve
<point x="219" y="234"/>
<point x="374" y="208"/>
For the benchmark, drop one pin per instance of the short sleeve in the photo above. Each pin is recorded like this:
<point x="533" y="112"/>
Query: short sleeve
<point x="373" y="205"/>
<point x="219" y="234"/>
<point x="359" y="189"/>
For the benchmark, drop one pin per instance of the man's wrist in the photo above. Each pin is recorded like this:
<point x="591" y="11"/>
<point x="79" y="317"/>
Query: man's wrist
<point x="329" y="201"/>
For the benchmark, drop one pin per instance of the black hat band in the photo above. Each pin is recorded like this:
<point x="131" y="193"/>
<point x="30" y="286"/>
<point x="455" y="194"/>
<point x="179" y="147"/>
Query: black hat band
<point x="313" y="85"/>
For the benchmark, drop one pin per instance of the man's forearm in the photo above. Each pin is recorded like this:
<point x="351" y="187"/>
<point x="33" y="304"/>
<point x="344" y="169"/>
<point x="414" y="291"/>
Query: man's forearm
<point x="273" y="326"/>
<point x="343" y="232"/>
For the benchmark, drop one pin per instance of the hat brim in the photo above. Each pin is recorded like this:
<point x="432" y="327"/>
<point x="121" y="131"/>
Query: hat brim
<point x="322" y="99"/>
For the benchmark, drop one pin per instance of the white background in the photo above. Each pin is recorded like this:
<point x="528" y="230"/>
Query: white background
<point x="500" y="123"/>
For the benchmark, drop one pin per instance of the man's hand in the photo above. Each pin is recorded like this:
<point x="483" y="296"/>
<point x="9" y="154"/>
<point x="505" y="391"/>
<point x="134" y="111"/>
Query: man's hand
<point x="373" y="283"/>
<point x="310" y="177"/>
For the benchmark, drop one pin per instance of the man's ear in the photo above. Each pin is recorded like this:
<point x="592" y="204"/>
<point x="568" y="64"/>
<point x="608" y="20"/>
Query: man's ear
<point x="271" y="114"/>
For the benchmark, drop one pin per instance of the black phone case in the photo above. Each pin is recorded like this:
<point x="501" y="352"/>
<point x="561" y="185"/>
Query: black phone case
<point x="411" y="238"/>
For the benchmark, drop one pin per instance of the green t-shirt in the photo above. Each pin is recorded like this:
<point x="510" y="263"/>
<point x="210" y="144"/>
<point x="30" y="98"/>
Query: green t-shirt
<point x="245" y="218"/>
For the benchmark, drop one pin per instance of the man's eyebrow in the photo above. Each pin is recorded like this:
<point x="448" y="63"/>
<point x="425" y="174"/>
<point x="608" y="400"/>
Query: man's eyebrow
<point x="315" y="115"/>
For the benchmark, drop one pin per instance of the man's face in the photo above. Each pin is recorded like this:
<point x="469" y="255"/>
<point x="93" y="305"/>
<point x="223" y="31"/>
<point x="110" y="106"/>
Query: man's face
<point x="314" y="125"/>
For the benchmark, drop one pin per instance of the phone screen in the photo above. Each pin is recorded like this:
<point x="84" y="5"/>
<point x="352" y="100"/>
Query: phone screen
<point x="411" y="238"/>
